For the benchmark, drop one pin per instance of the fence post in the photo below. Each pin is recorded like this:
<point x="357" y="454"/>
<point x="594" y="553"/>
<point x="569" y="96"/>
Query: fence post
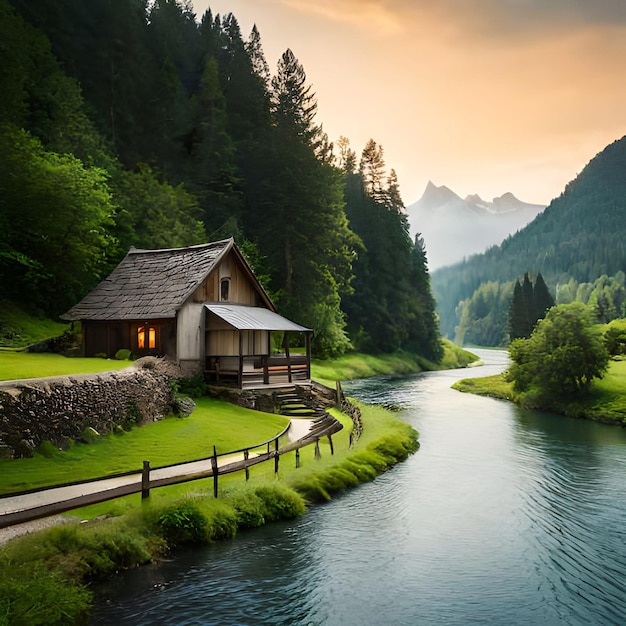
<point x="276" y="456"/>
<point x="332" y="448"/>
<point x="245" y="458"/>
<point x="145" y="480"/>
<point x="339" y="393"/>
<point x="215" y="472"/>
<point x="297" y="458"/>
<point x="318" y="454"/>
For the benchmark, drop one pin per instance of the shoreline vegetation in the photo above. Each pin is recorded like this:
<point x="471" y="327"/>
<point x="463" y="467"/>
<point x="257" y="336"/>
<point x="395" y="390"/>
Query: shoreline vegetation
<point x="47" y="577"/>
<point x="605" y="402"/>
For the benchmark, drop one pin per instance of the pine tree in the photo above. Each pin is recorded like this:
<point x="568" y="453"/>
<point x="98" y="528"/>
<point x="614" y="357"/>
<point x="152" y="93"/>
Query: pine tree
<point x="542" y="298"/>
<point x="302" y="228"/>
<point x="517" y="316"/>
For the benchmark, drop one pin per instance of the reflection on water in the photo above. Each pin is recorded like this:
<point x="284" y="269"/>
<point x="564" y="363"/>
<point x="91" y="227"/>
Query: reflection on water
<point x="504" y="516"/>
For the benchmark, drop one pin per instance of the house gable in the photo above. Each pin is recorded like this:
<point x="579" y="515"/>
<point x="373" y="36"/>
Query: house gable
<point x="231" y="280"/>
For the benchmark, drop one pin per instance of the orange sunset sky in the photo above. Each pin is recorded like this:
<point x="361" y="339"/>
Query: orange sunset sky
<point x="483" y="96"/>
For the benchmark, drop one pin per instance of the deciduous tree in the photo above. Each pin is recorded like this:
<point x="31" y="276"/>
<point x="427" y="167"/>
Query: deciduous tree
<point x="563" y="354"/>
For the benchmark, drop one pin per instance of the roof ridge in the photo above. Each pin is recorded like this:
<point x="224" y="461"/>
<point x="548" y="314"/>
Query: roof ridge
<point x="208" y="244"/>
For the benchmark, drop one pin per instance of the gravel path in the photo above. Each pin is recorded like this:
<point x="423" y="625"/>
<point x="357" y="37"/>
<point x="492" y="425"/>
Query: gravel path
<point x="31" y="527"/>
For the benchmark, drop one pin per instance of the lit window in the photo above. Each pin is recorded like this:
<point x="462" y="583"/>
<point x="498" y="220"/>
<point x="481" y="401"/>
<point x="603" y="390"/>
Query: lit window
<point x="150" y="331"/>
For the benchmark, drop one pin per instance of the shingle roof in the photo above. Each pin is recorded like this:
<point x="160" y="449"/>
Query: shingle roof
<point x="150" y="284"/>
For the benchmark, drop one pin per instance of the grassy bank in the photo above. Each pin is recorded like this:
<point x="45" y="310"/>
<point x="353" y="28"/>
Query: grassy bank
<point x="45" y="578"/>
<point x="19" y="329"/>
<point x="171" y="440"/>
<point x="606" y="401"/>
<point x="356" y="365"/>
<point x="20" y="365"/>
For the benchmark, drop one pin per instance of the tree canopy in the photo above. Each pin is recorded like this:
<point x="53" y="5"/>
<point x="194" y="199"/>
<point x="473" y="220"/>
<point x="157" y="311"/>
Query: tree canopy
<point x="563" y="354"/>
<point x="579" y="237"/>
<point x="135" y="123"/>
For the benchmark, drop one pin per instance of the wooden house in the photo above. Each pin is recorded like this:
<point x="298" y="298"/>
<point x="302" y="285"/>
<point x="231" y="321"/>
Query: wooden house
<point x="201" y="306"/>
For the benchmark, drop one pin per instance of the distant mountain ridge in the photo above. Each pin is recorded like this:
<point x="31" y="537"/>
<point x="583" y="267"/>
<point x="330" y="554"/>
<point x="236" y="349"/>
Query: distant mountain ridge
<point x="581" y="235"/>
<point x="454" y="228"/>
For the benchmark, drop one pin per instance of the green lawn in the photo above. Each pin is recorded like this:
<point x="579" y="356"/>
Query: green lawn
<point x="19" y="329"/>
<point x="172" y="440"/>
<point x="605" y="402"/>
<point x="19" y="365"/>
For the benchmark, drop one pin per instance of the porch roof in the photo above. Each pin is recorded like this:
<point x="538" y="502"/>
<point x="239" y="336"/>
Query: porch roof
<point x="244" y="317"/>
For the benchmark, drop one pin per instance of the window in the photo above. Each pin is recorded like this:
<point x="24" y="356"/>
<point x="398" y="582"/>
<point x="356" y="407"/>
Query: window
<point x="224" y="289"/>
<point x="146" y="333"/>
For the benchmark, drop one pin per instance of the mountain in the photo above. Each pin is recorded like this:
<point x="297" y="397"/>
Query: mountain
<point x="580" y="236"/>
<point x="454" y="228"/>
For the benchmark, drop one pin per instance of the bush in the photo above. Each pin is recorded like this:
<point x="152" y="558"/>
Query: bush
<point x="32" y="595"/>
<point x="562" y="356"/>
<point x="394" y="448"/>
<point x="248" y="509"/>
<point x="183" y="523"/>
<point x="221" y="521"/>
<point x="123" y="354"/>
<point x="280" y="502"/>
<point x="192" y="386"/>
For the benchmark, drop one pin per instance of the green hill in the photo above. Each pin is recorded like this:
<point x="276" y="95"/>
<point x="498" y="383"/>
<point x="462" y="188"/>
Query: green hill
<point x="577" y="239"/>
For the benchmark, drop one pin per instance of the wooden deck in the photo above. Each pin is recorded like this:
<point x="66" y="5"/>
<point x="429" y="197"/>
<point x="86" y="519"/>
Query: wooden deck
<point x="256" y="371"/>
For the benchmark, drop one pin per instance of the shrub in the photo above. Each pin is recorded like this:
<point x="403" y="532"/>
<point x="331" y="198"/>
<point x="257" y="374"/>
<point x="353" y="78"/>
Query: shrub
<point x="33" y="595"/>
<point x="133" y="415"/>
<point x="183" y="523"/>
<point x="47" y="449"/>
<point x="364" y="472"/>
<point x="123" y="354"/>
<point x="312" y="489"/>
<point x="221" y="521"/>
<point x="280" y="502"/>
<point x="248" y="509"/>
<point x="393" y="448"/>
<point x="192" y="386"/>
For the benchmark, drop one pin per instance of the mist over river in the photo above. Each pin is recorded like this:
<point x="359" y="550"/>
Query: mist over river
<point x="504" y="516"/>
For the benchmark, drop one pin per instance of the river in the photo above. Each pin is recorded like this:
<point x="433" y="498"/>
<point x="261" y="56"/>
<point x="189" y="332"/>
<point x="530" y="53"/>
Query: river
<point x="504" y="516"/>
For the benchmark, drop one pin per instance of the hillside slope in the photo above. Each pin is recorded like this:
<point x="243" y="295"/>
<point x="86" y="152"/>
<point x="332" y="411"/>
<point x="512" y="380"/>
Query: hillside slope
<point x="580" y="235"/>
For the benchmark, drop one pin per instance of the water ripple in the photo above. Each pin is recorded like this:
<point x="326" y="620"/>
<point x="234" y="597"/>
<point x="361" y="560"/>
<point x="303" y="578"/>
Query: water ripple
<point x="504" y="516"/>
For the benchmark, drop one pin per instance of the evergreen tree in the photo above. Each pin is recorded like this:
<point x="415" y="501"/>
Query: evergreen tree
<point x="542" y="298"/>
<point x="517" y="317"/>
<point x="303" y="230"/>
<point x="392" y="305"/>
<point x="528" y="305"/>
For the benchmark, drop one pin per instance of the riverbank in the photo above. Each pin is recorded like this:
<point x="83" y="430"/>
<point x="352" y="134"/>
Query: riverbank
<point x="52" y="571"/>
<point x="356" y="365"/>
<point x="46" y="577"/>
<point x="605" y="402"/>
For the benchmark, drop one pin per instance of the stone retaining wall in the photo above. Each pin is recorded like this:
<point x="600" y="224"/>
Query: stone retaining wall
<point x="61" y="408"/>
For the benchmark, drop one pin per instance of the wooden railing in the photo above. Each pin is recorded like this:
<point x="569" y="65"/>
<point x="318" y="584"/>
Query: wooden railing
<point x="261" y="369"/>
<point x="24" y="506"/>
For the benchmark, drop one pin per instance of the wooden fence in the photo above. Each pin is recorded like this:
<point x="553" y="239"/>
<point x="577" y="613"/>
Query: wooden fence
<point x="16" y="508"/>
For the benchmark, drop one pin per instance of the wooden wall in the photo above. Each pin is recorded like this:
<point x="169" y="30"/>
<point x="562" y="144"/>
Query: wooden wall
<point x="242" y="290"/>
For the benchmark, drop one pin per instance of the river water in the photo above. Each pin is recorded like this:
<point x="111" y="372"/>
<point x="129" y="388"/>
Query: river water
<point x="503" y="516"/>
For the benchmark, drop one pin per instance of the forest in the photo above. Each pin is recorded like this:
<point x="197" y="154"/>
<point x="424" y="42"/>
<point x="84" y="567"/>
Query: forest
<point x="138" y="123"/>
<point x="576" y="245"/>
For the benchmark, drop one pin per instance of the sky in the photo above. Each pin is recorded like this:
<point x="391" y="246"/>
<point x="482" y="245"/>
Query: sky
<point x="482" y="96"/>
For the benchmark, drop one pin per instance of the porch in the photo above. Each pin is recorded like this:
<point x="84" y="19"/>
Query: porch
<point x="248" y="371"/>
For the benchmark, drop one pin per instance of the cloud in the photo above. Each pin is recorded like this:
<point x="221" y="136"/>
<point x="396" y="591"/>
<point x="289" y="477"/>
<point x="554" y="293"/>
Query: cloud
<point x="372" y="15"/>
<point x="511" y="17"/>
